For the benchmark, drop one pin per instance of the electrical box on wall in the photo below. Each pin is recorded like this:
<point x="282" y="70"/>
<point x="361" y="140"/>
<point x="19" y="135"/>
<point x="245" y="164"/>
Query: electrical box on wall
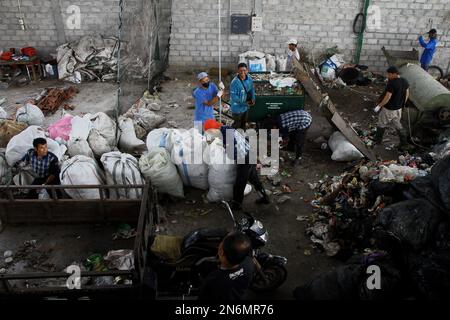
<point x="256" y="24"/>
<point x="240" y="24"/>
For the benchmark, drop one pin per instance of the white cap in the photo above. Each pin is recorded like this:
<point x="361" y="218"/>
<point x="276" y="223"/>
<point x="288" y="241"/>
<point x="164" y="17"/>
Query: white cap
<point x="292" y="41"/>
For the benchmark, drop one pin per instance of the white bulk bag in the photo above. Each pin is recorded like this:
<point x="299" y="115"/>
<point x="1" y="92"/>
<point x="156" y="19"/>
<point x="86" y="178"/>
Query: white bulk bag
<point x="21" y="143"/>
<point x="157" y="166"/>
<point x="128" y="141"/>
<point x="98" y="143"/>
<point x="147" y="119"/>
<point x="158" y="138"/>
<point x="105" y="126"/>
<point x="281" y="62"/>
<point x="81" y="170"/>
<point x="187" y="154"/>
<point x="30" y="114"/>
<point x="79" y="147"/>
<point x="25" y="177"/>
<point x="221" y="173"/>
<point x="81" y="127"/>
<point x="342" y="149"/>
<point x="271" y="63"/>
<point x="122" y="169"/>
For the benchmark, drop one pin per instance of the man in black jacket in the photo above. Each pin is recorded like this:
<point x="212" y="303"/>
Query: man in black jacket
<point x="232" y="279"/>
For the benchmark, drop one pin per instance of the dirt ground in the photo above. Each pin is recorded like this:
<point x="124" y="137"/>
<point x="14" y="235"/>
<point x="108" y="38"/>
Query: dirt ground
<point x="287" y="234"/>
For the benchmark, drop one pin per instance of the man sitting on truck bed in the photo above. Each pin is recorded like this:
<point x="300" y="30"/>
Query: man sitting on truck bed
<point x="44" y="164"/>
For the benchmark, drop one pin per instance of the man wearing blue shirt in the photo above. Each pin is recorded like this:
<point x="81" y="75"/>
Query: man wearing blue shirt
<point x="206" y="96"/>
<point x="430" y="48"/>
<point x="242" y="96"/>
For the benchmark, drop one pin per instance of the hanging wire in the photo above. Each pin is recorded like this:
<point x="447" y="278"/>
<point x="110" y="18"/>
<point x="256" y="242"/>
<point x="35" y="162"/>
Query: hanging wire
<point x="119" y="89"/>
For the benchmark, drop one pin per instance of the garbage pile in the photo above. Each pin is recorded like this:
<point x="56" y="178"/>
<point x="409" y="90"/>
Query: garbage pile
<point x="89" y="58"/>
<point x="395" y="212"/>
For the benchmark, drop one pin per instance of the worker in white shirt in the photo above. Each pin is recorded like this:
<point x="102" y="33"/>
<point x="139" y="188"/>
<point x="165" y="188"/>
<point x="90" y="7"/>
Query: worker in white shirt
<point x="292" y="54"/>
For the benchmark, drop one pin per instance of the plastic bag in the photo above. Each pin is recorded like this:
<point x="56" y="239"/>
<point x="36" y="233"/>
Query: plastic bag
<point x="281" y="62"/>
<point x="61" y="128"/>
<point x="271" y="64"/>
<point x="342" y="149"/>
<point x="257" y="65"/>
<point x="43" y="195"/>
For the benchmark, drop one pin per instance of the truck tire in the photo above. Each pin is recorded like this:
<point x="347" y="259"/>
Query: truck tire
<point x="436" y="72"/>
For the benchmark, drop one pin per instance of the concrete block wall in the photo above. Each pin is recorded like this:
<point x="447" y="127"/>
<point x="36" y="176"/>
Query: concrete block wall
<point x="48" y="24"/>
<point x="317" y="24"/>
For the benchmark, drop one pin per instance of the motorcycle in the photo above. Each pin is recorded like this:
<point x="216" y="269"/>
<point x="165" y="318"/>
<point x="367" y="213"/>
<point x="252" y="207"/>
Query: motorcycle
<point x="197" y="257"/>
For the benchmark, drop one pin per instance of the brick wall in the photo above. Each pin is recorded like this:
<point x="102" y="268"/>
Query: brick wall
<point x="317" y="24"/>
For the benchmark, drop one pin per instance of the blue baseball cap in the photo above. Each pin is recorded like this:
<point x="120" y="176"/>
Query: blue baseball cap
<point x="202" y="75"/>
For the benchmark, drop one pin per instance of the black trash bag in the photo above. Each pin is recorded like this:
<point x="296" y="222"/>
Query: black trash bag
<point x="410" y="223"/>
<point x="340" y="284"/>
<point x="429" y="272"/>
<point x="388" y="189"/>
<point x="422" y="187"/>
<point x="349" y="282"/>
<point x="391" y="284"/>
<point x="443" y="236"/>
<point x="440" y="174"/>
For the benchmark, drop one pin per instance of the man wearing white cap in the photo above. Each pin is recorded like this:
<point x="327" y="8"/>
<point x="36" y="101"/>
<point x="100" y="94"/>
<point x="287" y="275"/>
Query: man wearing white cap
<point x="206" y="96"/>
<point x="292" y="54"/>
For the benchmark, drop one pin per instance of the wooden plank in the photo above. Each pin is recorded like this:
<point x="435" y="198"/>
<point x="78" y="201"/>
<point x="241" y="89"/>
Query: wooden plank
<point x="329" y="111"/>
<point x="351" y="136"/>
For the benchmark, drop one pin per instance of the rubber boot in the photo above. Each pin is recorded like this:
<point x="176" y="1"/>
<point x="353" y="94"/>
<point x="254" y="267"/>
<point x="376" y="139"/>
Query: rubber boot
<point x="403" y="146"/>
<point x="379" y="135"/>
<point x="264" y="198"/>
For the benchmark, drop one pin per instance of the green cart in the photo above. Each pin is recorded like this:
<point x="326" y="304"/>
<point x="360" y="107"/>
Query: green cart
<point x="270" y="101"/>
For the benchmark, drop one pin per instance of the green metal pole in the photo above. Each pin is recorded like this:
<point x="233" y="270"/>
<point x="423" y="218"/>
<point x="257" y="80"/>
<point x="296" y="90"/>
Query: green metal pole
<point x="361" y="34"/>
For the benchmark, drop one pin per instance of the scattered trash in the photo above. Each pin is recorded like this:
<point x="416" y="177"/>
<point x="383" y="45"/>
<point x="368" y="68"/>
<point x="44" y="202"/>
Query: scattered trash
<point x="9" y="260"/>
<point x="125" y="231"/>
<point x="286" y="188"/>
<point x="52" y="98"/>
<point x="120" y="259"/>
<point x="307" y="252"/>
<point x="89" y="58"/>
<point x="7" y="254"/>
<point x="302" y="218"/>
<point x="283" y="199"/>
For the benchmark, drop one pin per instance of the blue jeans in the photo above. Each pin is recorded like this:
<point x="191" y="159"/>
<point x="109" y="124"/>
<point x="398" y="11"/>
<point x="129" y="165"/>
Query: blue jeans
<point x="425" y="66"/>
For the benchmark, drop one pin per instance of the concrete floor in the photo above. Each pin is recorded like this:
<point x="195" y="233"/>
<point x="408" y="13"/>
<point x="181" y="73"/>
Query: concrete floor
<point x="287" y="235"/>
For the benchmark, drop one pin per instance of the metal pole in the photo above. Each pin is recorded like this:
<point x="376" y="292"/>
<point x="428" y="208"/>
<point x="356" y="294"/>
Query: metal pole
<point x="220" y="59"/>
<point x="119" y="89"/>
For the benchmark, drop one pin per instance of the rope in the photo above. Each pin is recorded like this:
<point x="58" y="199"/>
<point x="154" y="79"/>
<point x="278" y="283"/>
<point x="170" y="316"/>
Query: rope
<point x="119" y="89"/>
